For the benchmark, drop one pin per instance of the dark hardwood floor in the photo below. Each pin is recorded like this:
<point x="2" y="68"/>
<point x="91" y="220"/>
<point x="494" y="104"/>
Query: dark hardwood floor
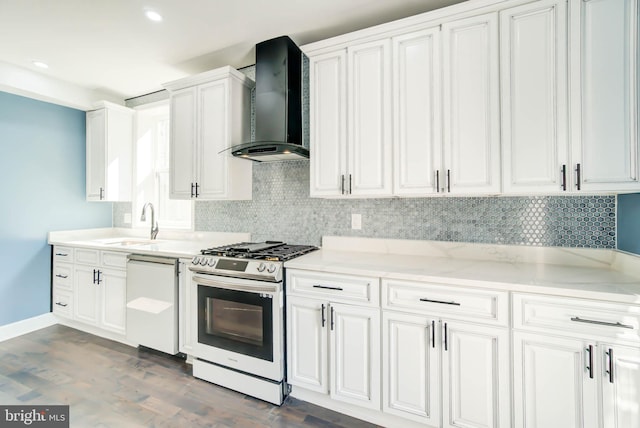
<point x="108" y="384"/>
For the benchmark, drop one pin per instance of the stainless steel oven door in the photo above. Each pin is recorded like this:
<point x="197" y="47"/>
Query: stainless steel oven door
<point x="240" y="324"/>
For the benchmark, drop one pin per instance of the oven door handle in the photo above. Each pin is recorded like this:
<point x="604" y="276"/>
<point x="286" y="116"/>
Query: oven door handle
<point x="266" y="288"/>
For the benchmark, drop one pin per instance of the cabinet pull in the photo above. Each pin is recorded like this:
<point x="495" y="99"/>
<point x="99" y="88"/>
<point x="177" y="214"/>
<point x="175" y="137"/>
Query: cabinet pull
<point x="442" y="302"/>
<point x="342" y="184"/>
<point x="446" y="339"/>
<point x="590" y="361"/>
<point x="564" y="178"/>
<point x="448" y="181"/>
<point x="101" y="193"/>
<point x="197" y="186"/>
<point x="62" y="276"/>
<point x="323" y="317"/>
<point x="64" y="305"/>
<point x="578" y="176"/>
<point x="331" y="318"/>
<point x="437" y="181"/>
<point x="326" y="287"/>
<point x="605" y="323"/>
<point x="610" y="370"/>
<point x="99" y="279"/>
<point x="192" y="186"/>
<point x="94" y="276"/>
<point x="350" y="182"/>
<point x="433" y="333"/>
<point x="62" y="254"/>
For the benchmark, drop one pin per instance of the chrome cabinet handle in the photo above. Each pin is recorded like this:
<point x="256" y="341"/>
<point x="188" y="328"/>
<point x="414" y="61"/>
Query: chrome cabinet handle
<point x="590" y="361"/>
<point x="578" y="173"/>
<point x="604" y="323"/>
<point x="326" y="287"/>
<point x="610" y="370"/>
<point x="442" y="302"/>
<point x="61" y="304"/>
<point x="322" y="316"/>
<point x="62" y="276"/>
<point x="564" y="178"/>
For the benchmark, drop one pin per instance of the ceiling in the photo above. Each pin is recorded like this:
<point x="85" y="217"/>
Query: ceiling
<point x="110" y="46"/>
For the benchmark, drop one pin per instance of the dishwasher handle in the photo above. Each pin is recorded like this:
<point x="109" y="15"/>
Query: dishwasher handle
<point x="151" y="259"/>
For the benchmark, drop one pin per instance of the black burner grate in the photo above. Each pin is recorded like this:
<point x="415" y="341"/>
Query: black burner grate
<point x="270" y="250"/>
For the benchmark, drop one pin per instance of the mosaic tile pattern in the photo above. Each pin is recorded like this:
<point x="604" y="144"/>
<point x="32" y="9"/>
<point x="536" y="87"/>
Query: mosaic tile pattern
<point x="281" y="209"/>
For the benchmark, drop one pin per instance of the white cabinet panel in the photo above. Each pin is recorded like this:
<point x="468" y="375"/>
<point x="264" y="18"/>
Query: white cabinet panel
<point x="605" y="93"/>
<point x="113" y="298"/>
<point x="211" y="166"/>
<point x="182" y="143"/>
<point x="328" y="125"/>
<point x="85" y="295"/>
<point x="96" y="154"/>
<point x="620" y="389"/>
<point x="369" y="114"/>
<point x="417" y="127"/>
<point x="471" y="105"/>
<point x="533" y="55"/>
<point x="410" y="367"/>
<point x="354" y="356"/>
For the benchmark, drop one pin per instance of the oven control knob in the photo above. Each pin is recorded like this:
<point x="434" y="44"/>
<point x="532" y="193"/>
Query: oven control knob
<point x="195" y="260"/>
<point x="203" y="261"/>
<point x="211" y="262"/>
<point x="261" y="267"/>
<point x="272" y="268"/>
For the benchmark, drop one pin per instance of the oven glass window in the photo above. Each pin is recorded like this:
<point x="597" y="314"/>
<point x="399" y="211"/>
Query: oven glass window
<point x="236" y="321"/>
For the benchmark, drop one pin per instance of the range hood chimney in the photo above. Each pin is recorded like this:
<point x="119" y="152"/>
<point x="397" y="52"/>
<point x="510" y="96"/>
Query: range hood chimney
<point x="278" y="104"/>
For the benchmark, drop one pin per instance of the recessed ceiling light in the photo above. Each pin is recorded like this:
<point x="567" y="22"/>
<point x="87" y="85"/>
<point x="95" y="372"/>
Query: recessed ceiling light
<point x="153" y="15"/>
<point x="40" y="64"/>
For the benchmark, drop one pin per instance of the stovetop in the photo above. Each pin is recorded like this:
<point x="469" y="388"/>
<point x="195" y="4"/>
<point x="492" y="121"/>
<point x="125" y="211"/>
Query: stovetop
<point x="269" y="250"/>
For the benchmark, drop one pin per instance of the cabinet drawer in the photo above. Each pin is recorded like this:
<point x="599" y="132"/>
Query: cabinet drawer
<point x="62" y="301"/>
<point x="451" y="301"/>
<point x="114" y="259"/>
<point x="63" y="275"/>
<point x="337" y="288"/>
<point x="576" y="316"/>
<point x="86" y="256"/>
<point x="62" y="254"/>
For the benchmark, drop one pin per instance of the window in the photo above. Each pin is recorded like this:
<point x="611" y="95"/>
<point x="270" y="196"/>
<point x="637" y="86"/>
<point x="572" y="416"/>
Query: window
<point x="152" y="170"/>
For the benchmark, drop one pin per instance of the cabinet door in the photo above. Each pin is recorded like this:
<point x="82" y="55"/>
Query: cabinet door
<point x="113" y="300"/>
<point x="417" y="139"/>
<point x="471" y="105"/>
<point x="552" y="385"/>
<point x="182" y="143"/>
<point x="307" y="344"/>
<point x="213" y="137"/>
<point x="85" y="295"/>
<point x="620" y="390"/>
<point x="96" y="154"/>
<point x="534" y="106"/>
<point x="355" y="355"/>
<point x="410" y="367"/>
<point x="604" y="80"/>
<point x="369" y="107"/>
<point x="328" y="123"/>
<point x="475" y="376"/>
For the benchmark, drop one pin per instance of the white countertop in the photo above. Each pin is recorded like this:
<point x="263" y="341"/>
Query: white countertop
<point x="168" y="243"/>
<point x="597" y="274"/>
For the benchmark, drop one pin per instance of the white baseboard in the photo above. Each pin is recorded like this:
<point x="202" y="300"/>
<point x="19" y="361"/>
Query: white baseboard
<point x="19" y="328"/>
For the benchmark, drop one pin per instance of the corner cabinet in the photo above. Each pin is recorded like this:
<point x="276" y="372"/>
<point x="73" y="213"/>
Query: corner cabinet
<point x="210" y="112"/>
<point x="109" y="153"/>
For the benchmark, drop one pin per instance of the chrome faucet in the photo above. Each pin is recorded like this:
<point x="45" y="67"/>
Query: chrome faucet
<point x="154" y="223"/>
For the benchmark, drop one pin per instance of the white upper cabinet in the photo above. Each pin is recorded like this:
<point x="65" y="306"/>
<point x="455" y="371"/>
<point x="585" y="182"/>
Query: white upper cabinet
<point x="533" y="53"/>
<point x="109" y="153"/>
<point x="604" y="94"/>
<point x="417" y="141"/>
<point x="369" y="119"/>
<point x="210" y="112"/>
<point x="328" y="124"/>
<point x="471" y="109"/>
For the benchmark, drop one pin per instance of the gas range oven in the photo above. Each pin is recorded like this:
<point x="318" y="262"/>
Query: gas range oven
<point x="240" y="316"/>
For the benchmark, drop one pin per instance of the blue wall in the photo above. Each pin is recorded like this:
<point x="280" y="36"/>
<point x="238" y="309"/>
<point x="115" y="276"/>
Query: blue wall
<point x="42" y="188"/>
<point x="628" y="225"/>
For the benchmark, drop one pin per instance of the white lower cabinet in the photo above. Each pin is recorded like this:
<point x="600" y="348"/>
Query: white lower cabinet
<point x="575" y="363"/>
<point x="99" y="289"/>
<point x="334" y="349"/>
<point x="62" y="282"/>
<point x="437" y="369"/>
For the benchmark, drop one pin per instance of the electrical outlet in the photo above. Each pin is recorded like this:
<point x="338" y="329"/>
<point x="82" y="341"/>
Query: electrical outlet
<point x="356" y="221"/>
<point x="127" y="218"/>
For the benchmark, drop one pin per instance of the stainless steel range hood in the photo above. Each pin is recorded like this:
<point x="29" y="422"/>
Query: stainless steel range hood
<point x="278" y="104"/>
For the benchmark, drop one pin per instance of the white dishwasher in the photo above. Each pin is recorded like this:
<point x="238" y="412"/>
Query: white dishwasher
<point x="152" y="302"/>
